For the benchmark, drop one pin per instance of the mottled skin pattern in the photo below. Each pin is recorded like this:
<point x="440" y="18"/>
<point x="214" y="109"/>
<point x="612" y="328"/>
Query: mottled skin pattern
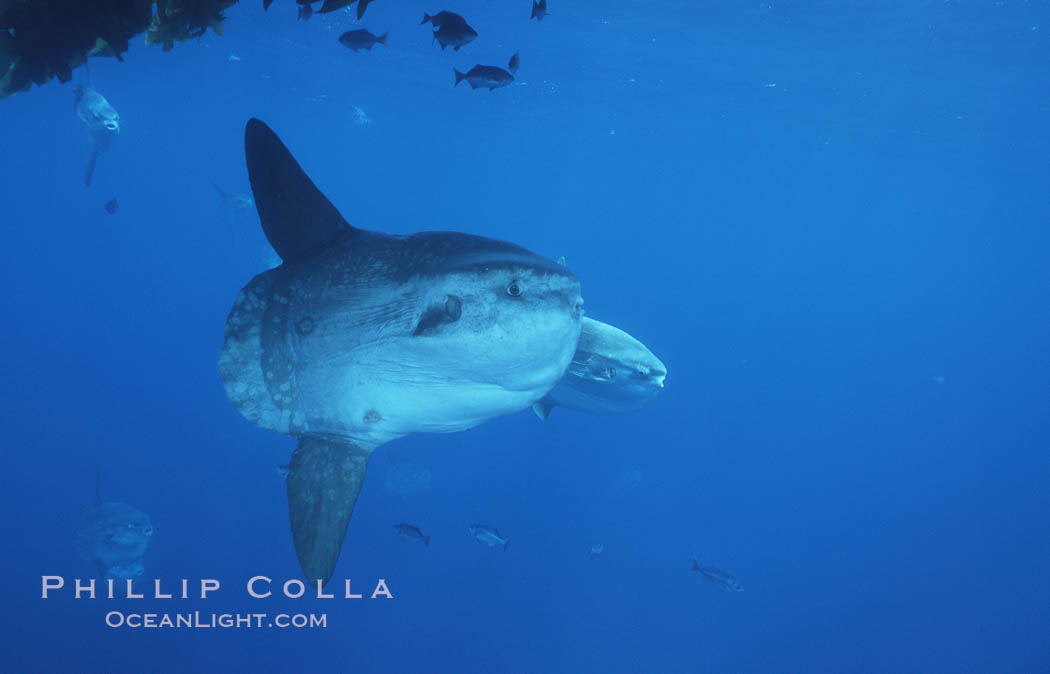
<point x="330" y="348"/>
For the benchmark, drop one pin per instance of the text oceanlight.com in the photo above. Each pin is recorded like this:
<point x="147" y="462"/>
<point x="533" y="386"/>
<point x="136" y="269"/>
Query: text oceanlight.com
<point x="199" y="620"/>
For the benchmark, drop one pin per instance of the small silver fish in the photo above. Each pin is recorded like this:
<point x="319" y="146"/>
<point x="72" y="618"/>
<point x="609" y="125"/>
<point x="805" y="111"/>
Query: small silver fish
<point x="490" y="536"/>
<point x="596" y="550"/>
<point x="409" y="531"/>
<point x="717" y="577"/>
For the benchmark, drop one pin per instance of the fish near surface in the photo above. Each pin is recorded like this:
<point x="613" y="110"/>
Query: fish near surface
<point x="114" y="538"/>
<point x="102" y="122"/>
<point x="490" y="77"/>
<point x="361" y="39"/>
<point x="441" y="18"/>
<point x="454" y="32"/>
<point x="359" y="338"/>
<point x="610" y="373"/>
<point x="717" y="577"/>
<point x="490" y="536"/>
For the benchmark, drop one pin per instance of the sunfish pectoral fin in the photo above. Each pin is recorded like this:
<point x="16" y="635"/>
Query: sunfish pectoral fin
<point x="296" y="217"/>
<point x="324" y="479"/>
<point x="542" y="409"/>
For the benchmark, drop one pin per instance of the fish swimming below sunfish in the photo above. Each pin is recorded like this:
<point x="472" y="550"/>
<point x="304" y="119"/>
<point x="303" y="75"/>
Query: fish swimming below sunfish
<point x="717" y="577"/>
<point x="413" y="533"/>
<point x="490" y="77"/>
<point x="114" y="537"/>
<point x="102" y="122"/>
<point x="610" y="373"/>
<point x="490" y="536"/>
<point x="453" y="31"/>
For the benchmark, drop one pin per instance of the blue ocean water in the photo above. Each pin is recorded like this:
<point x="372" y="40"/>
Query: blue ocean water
<point x="830" y="221"/>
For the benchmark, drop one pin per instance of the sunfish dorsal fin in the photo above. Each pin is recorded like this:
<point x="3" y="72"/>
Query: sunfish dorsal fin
<point x="296" y="217"/>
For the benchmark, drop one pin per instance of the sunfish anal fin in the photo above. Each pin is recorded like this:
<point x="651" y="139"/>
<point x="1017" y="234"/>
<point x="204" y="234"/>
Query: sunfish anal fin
<point x="324" y="479"/>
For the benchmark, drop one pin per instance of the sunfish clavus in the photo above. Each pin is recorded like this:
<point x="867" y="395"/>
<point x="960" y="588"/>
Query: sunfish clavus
<point x="359" y="338"/>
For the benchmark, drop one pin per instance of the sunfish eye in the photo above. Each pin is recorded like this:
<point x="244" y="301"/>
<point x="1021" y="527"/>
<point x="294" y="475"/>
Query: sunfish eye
<point x="514" y="288"/>
<point x="453" y="307"/>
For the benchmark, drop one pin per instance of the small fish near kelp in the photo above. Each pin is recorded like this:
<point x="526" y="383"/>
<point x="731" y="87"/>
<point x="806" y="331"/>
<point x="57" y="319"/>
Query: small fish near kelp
<point x="539" y="10"/>
<point x="490" y="77"/>
<point x="361" y="39"/>
<point x="441" y="18"/>
<point x="452" y="31"/>
<point x="717" y="577"/>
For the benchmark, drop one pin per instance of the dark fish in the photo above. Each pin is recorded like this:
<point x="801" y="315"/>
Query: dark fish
<point x="111" y="206"/>
<point x="717" y="577"/>
<point x="361" y="39"/>
<point x="332" y="5"/>
<point x="539" y="10"/>
<point x="361" y="5"/>
<point x="479" y="76"/>
<point x="409" y="531"/>
<point x="441" y="18"/>
<point x="512" y="65"/>
<point x="454" y="32"/>
<point x="490" y="536"/>
<point x="266" y="4"/>
<point x="305" y="12"/>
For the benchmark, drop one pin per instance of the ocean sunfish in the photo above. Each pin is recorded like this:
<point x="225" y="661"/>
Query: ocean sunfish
<point x="610" y="373"/>
<point x="359" y="338"/>
<point x="102" y="122"/>
<point x="114" y="537"/>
